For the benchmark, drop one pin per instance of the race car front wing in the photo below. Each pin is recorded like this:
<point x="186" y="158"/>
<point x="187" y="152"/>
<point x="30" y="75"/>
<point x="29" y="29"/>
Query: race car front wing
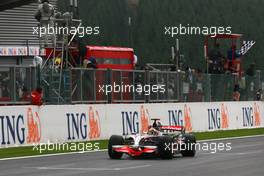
<point x="133" y="150"/>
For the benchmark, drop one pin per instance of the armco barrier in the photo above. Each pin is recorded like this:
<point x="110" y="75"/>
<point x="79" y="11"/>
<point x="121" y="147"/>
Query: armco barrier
<point x="26" y="125"/>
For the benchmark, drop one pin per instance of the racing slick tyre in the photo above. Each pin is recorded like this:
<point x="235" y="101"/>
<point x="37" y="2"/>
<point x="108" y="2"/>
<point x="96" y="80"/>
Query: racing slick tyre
<point x="115" y="140"/>
<point x="189" y="146"/>
<point x="165" y="147"/>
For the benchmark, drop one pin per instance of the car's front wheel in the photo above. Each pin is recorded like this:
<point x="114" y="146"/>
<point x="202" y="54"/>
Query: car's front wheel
<point x="115" y="140"/>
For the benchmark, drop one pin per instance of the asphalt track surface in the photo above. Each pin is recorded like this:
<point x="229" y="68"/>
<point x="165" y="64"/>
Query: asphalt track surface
<point x="246" y="158"/>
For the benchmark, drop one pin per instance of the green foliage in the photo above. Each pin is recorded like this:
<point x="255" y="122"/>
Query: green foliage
<point x="146" y="34"/>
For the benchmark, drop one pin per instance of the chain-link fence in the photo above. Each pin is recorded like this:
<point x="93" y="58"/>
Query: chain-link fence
<point x="85" y="85"/>
<point x="115" y="86"/>
<point x="219" y="87"/>
<point x="81" y="85"/>
<point x="16" y="83"/>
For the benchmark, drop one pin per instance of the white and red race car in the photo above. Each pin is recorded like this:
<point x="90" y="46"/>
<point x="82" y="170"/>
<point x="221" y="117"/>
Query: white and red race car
<point x="160" y="141"/>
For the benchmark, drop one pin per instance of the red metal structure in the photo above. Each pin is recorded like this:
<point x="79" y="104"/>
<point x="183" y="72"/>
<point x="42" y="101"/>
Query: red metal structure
<point x="233" y="65"/>
<point x="112" y="57"/>
<point x="118" y="58"/>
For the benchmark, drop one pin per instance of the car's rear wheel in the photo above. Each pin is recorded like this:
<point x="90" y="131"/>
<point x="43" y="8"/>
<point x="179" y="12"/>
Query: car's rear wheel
<point x="115" y="140"/>
<point x="165" y="147"/>
<point x="189" y="146"/>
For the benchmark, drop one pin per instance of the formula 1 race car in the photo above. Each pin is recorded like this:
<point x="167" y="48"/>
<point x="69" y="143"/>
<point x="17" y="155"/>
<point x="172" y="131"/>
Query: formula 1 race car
<point x="160" y="141"/>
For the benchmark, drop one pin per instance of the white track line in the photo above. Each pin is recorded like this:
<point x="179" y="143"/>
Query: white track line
<point x="231" y="138"/>
<point x="90" y="169"/>
<point x="55" y="154"/>
<point x="70" y="153"/>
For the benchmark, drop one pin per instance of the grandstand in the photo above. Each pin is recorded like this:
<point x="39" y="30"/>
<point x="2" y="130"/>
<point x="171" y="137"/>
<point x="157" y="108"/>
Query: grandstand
<point x="16" y="31"/>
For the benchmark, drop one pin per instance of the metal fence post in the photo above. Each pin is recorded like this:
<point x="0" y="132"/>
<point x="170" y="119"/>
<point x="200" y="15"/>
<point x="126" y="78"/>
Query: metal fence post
<point x="133" y="82"/>
<point x="156" y="82"/>
<point x="32" y="81"/>
<point x="147" y="75"/>
<point x="38" y="75"/>
<point x="167" y="86"/>
<point x="71" y="88"/>
<point x="13" y="83"/>
<point x="178" y="86"/>
<point x="94" y="85"/>
<point x="258" y="80"/>
<point x="109" y="82"/>
<point x="121" y="83"/>
<point x="81" y="83"/>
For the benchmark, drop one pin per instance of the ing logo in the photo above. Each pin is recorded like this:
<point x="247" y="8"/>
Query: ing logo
<point x="187" y="118"/>
<point x="34" y="127"/>
<point x="181" y="117"/>
<point x="225" y="117"/>
<point x="144" y="117"/>
<point x="94" y="124"/>
<point x="251" y="116"/>
<point x="218" y="118"/>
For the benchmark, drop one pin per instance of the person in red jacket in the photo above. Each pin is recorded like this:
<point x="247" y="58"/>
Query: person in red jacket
<point x="36" y="97"/>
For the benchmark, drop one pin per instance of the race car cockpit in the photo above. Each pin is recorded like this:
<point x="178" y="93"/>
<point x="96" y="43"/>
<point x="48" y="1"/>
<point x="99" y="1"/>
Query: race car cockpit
<point x="155" y="128"/>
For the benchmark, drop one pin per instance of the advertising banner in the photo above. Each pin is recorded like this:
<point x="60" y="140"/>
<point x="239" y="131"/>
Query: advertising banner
<point x="28" y="125"/>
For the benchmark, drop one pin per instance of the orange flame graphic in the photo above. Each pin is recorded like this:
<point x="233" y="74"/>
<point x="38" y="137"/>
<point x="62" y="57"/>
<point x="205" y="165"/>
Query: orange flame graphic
<point x="187" y="118"/>
<point x="224" y="114"/>
<point x="94" y="123"/>
<point x="144" y="116"/>
<point x="34" y="127"/>
<point x="257" y="115"/>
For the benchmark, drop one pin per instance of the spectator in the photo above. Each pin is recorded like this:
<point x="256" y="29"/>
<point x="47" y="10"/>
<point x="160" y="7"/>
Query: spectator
<point x="25" y="94"/>
<point x="251" y="70"/>
<point x="45" y="12"/>
<point x="37" y="61"/>
<point x="232" y="53"/>
<point x="89" y="79"/>
<point x="236" y="93"/>
<point x="259" y="95"/>
<point x="199" y="85"/>
<point x="215" y="60"/>
<point x="135" y="61"/>
<point x="36" y="97"/>
<point x="171" y="93"/>
<point x="189" y="74"/>
<point x="57" y="64"/>
<point x="5" y="91"/>
<point x="90" y="63"/>
<point x="45" y="15"/>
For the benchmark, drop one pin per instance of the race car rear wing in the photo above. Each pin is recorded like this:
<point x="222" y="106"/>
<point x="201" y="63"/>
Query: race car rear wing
<point x="173" y="128"/>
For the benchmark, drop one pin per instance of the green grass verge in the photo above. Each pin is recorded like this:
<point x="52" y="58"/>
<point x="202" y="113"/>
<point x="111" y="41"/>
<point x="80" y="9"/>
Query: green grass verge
<point x="72" y="147"/>
<point x="102" y="144"/>
<point x="228" y="133"/>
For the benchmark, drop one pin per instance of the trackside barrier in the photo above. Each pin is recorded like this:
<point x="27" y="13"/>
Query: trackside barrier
<point x="27" y="125"/>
